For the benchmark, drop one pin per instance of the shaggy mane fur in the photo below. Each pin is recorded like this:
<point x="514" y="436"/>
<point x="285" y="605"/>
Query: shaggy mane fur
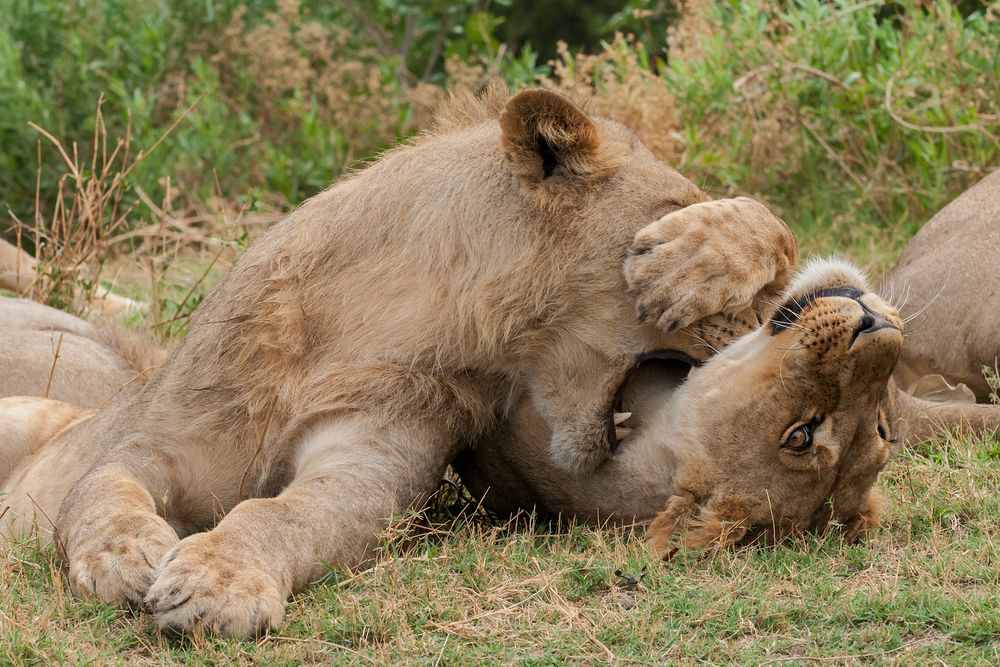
<point x="463" y="109"/>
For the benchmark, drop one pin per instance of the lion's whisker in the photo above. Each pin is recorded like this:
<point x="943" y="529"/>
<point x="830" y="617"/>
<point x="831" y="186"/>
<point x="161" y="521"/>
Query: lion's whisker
<point x="785" y="309"/>
<point x="781" y="374"/>
<point x="929" y="301"/>
<point x="704" y="342"/>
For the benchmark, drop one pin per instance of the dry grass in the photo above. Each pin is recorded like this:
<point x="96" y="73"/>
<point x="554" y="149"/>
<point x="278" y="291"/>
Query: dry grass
<point x="104" y="236"/>
<point x="923" y="589"/>
<point x="296" y="63"/>
<point x="89" y="209"/>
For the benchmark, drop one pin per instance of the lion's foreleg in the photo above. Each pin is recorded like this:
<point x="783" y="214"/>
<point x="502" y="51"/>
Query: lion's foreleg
<point x="350" y="478"/>
<point x="112" y="535"/>
<point x="724" y="256"/>
<point x="574" y="393"/>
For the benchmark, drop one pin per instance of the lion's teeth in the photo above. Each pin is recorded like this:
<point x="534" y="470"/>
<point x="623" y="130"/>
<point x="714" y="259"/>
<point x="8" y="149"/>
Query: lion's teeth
<point x="620" y="432"/>
<point x="620" y="417"/>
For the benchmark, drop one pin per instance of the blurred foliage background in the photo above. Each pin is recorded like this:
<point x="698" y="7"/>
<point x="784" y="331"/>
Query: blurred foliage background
<point x="854" y="120"/>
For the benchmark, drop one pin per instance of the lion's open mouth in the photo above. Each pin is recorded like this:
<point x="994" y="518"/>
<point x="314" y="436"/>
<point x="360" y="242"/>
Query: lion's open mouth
<point x="653" y="376"/>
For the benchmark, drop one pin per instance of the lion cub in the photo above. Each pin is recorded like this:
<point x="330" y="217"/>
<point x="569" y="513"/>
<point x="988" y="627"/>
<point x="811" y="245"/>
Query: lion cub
<point x="377" y="330"/>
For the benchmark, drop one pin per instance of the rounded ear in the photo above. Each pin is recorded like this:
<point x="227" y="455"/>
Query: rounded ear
<point x="675" y="515"/>
<point x="721" y="522"/>
<point x="868" y="516"/>
<point x="544" y="134"/>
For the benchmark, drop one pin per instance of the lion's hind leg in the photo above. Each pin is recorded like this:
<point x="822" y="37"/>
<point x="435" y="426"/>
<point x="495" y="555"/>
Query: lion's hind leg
<point x="351" y="476"/>
<point x="110" y="532"/>
<point x="28" y="426"/>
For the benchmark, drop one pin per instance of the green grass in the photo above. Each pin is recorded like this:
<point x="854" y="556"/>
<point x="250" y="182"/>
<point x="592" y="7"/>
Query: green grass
<point x="923" y="589"/>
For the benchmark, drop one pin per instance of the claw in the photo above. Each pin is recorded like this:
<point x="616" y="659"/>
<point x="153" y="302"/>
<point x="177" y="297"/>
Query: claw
<point x="620" y="417"/>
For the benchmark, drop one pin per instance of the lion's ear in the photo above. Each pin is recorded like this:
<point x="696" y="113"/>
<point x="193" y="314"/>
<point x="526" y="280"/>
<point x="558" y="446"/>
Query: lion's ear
<point x="868" y="516"/>
<point x="674" y="517"/>
<point x="719" y="523"/>
<point x="545" y="135"/>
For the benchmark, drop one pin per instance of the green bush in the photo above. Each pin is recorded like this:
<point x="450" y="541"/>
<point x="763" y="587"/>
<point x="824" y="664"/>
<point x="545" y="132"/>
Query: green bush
<point x="784" y="101"/>
<point x="845" y="117"/>
<point x="281" y="95"/>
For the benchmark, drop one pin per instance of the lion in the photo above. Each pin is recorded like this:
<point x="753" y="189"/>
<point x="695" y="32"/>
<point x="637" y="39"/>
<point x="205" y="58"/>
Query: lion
<point x="783" y="429"/>
<point x="510" y="470"/>
<point x="17" y="268"/>
<point x="46" y="352"/>
<point x="944" y="276"/>
<point x="363" y="341"/>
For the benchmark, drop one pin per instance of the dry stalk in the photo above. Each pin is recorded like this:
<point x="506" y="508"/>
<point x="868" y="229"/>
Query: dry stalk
<point x="52" y="370"/>
<point x="88" y="213"/>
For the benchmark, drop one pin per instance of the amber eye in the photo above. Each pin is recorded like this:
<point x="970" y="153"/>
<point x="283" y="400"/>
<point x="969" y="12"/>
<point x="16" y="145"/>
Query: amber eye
<point x="801" y="438"/>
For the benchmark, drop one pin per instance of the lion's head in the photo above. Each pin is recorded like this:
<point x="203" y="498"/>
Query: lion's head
<point x="778" y="432"/>
<point x="781" y="429"/>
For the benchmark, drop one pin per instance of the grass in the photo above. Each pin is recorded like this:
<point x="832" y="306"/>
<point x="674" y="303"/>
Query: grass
<point x="921" y="590"/>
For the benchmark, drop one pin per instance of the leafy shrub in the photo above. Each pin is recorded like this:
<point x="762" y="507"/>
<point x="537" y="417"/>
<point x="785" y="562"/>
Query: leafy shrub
<point x="856" y="121"/>
<point x="848" y="118"/>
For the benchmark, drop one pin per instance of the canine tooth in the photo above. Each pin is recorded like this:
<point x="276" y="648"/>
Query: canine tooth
<point x="621" y="433"/>
<point x="620" y="417"/>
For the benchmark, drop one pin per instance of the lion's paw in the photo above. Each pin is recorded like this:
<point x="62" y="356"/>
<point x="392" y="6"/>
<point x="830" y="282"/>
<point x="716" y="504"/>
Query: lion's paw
<point x="203" y="586"/>
<point x="713" y="257"/>
<point x="119" y="566"/>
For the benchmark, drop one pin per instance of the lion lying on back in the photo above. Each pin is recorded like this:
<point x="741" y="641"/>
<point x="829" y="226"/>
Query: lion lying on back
<point x="379" y="329"/>
<point x="779" y="432"/>
<point x="784" y="429"/>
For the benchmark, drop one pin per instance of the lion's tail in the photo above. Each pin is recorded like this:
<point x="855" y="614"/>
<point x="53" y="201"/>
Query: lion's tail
<point x="138" y="350"/>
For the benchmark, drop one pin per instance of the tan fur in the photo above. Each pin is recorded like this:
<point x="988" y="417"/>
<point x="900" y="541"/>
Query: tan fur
<point x="948" y="281"/>
<point x="17" y="268"/>
<point x="915" y="420"/>
<point x="30" y="427"/>
<point x="18" y="271"/>
<point x="357" y="346"/>
<point x="45" y="352"/>
<point x="707" y="451"/>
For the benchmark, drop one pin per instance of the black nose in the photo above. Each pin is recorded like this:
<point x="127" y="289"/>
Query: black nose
<point x="872" y="322"/>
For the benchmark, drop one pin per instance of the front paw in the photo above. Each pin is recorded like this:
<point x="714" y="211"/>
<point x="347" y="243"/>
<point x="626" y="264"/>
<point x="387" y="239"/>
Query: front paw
<point x="117" y="564"/>
<point x="206" y="585"/>
<point x="722" y="256"/>
<point x="717" y="332"/>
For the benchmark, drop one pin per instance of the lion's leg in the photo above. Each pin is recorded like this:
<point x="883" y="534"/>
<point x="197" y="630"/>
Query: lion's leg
<point x="111" y="533"/>
<point x="350" y="477"/>
<point x="27" y="427"/>
<point x="574" y="393"/>
<point x="26" y="424"/>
